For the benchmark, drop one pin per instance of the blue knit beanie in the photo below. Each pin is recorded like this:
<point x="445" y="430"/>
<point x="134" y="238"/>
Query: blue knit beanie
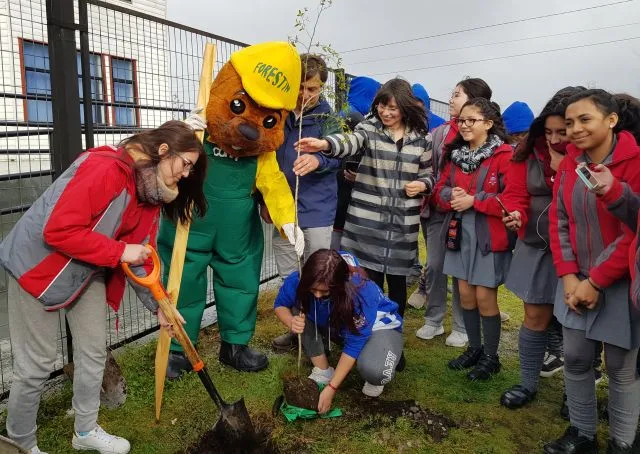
<point x="517" y="117"/>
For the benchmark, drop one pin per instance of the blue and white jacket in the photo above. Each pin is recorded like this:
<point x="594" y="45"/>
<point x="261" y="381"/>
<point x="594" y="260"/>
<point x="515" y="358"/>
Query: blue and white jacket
<point x="373" y="311"/>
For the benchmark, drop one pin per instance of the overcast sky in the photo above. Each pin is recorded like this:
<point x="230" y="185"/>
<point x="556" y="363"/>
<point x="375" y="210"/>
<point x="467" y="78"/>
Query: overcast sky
<point x="613" y="64"/>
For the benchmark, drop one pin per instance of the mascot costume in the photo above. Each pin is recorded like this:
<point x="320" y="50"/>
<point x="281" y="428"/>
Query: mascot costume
<point x="249" y="101"/>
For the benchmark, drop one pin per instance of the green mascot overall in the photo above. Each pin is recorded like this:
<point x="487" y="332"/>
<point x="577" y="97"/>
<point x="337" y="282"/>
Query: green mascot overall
<point x="249" y="101"/>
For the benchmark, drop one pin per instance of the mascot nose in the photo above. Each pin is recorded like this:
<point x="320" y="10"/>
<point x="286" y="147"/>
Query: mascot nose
<point x="249" y="132"/>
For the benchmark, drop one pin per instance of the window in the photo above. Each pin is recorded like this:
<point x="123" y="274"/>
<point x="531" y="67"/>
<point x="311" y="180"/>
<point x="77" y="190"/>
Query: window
<point x="97" y="88"/>
<point x="124" y="92"/>
<point x="38" y="83"/>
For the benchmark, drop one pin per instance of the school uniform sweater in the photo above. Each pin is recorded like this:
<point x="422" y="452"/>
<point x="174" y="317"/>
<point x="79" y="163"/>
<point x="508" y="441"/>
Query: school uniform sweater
<point x="586" y="238"/>
<point x="484" y="184"/>
<point x="373" y="311"/>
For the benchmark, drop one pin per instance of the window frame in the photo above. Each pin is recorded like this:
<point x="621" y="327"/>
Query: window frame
<point x="135" y="105"/>
<point x="48" y="98"/>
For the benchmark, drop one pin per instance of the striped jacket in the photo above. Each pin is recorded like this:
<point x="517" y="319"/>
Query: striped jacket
<point x="586" y="238"/>
<point x="81" y="223"/>
<point x="383" y="223"/>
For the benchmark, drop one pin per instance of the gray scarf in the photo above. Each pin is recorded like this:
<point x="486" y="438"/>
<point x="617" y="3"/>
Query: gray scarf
<point x="469" y="160"/>
<point x="151" y="188"/>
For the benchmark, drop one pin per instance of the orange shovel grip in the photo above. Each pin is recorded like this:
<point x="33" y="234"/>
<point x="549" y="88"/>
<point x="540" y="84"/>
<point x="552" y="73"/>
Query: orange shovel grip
<point x="151" y="280"/>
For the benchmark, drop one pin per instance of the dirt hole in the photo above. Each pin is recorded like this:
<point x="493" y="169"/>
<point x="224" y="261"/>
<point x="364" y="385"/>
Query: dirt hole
<point x="433" y="424"/>
<point x="212" y="443"/>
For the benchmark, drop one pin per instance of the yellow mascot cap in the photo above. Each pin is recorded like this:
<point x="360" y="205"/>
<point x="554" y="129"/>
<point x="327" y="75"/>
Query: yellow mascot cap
<point x="270" y="73"/>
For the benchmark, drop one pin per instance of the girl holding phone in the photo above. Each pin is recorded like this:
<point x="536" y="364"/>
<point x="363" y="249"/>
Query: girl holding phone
<point x="532" y="276"/>
<point x="590" y="250"/>
<point x="474" y="174"/>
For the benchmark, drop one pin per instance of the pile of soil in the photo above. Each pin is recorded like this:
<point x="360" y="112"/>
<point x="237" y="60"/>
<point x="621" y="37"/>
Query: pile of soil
<point x="301" y="392"/>
<point x="434" y="425"/>
<point x="212" y="442"/>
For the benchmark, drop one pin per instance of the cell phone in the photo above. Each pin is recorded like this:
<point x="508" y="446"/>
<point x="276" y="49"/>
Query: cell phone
<point x="352" y="166"/>
<point x="587" y="177"/>
<point x="504" y="208"/>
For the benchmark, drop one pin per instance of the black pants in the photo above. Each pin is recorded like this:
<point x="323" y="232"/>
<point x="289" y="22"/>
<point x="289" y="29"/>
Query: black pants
<point x="397" y="286"/>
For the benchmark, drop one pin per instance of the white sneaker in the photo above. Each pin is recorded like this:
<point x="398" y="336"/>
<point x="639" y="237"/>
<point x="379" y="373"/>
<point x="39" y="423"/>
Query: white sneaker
<point x="457" y="339"/>
<point x="504" y="316"/>
<point x="100" y="441"/>
<point x="417" y="299"/>
<point x="372" y="390"/>
<point x="36" y="450"/>
<point x="429" y="332"/>
<point x="322" y="376"/>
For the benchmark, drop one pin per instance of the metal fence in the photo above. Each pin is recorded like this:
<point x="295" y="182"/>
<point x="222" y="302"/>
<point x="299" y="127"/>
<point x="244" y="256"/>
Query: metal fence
<point x="137" y="69"/>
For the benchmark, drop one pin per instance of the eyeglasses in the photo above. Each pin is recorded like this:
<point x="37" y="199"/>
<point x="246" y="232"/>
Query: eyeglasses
<point x="187" y="165"/>
<point x="469" y="122"/>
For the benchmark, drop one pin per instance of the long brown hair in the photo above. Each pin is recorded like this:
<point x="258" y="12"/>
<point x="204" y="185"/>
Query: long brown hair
<point x="181" y="139"/>
<point x="326" y="266"/>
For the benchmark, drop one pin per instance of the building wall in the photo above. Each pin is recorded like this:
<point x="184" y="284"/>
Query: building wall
<point x="112" y="35"/>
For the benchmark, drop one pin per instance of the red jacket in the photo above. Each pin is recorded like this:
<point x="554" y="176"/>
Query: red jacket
<point x="585" y="237"/>
<point x="529" y="190"/>
<point x="493" y="236"/>
<point x="94" y="211"/>
<point x="625" y="205"/>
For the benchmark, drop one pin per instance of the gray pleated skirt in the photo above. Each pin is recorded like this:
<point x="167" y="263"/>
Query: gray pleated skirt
<point x="469" y="264"/>
<point x="532" y="276"/>
<point x="610" y="321"/>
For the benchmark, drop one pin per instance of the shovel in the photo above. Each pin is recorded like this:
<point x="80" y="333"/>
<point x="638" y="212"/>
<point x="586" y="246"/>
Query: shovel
<point x="234" y="424"/>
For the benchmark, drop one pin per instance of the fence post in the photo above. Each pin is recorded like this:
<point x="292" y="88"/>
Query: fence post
<point x="65" y="100"/>
<point x="66" y="140"/>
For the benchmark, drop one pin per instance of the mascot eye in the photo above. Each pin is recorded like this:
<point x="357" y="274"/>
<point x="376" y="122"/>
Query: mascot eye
<point x="269" y="122"/>
<point x="237" y="106"/>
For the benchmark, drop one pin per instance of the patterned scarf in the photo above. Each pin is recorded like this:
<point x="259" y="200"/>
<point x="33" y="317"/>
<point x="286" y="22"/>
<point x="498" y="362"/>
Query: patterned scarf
<point x="469" y="160"/>
<point x="151" y="188"/>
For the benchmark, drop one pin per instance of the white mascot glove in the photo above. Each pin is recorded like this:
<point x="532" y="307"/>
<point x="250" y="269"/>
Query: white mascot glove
<point x="295" y="237"/>
<point x="195" y="121"/>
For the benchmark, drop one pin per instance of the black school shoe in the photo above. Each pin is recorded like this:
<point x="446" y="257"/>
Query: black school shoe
<point x="468" y="359"/>
<point x="178" y="364"/>
<point x="572" y="443"/>
<point x="486" y="366"/>
<point x="242" y="358"/>
<point x="517" y="397"/>
<point x="402" y="363"/>
<point x="616" y="447"/>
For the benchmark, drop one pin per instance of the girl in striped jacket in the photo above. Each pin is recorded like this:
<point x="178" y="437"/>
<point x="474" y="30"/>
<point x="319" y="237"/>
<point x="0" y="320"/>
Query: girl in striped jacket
<point x="383" y="218"/>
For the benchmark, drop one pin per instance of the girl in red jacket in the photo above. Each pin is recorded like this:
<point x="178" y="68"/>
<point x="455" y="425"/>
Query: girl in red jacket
<point x="590" y="252"/>
<point x="66" y="251"/>
<point x="478" y="244"/>
<point x="532" y="276"/>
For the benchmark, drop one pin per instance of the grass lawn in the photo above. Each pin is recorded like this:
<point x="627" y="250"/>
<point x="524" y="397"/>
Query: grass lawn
<point x="482" y="425"/>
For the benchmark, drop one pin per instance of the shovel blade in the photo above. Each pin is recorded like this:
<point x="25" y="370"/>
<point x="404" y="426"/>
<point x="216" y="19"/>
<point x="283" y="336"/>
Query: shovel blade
<point x="234" y="425"/>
